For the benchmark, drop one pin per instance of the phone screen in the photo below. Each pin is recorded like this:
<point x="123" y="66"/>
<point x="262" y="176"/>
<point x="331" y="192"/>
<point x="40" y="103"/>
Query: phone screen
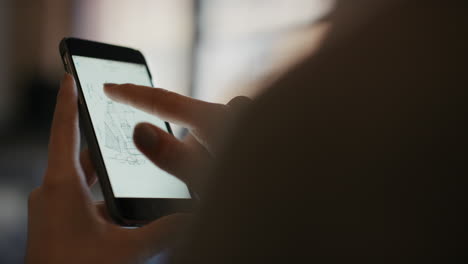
<point x="130" y="173"/>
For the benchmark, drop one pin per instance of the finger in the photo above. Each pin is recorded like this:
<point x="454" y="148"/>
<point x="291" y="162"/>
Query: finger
<point x="88" y="167"/>
<point x="169" y="106"/>
<point x="163" y="149"/>
<point x="192" y="142"/>
<point x="101" y="210"/>
<point x="64" y="138"/>
<point x="239" y="102"/>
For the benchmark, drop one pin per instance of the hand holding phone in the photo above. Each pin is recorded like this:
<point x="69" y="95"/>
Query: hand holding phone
<point x="136" y="192"/>
<point x="63" y="221"/>
<point x="205" y="121"/>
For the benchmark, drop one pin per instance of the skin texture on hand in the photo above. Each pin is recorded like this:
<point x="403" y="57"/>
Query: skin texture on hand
<point x="205" y="122"/>
<point x="66" y="226"/>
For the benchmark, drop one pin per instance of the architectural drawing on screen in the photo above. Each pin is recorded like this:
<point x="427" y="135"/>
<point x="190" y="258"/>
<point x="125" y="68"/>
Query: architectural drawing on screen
<point x="118" y="123"/>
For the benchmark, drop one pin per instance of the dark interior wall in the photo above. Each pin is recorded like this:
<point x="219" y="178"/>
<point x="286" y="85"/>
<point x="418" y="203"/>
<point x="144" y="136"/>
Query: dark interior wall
<point x="34" y="30"/>
<point x="29" y="76"/>
<point x="5" y="91"/>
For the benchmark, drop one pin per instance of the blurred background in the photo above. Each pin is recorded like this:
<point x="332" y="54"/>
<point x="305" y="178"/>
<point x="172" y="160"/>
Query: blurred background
<point x="209" y="49"/>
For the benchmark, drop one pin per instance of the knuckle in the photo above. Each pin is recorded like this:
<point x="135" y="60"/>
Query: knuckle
<point x="160" y="97"/>
<point x="52" y="185"/>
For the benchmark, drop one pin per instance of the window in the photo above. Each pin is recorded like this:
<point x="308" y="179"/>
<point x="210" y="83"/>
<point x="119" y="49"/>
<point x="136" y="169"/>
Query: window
<point x="161" y="29"/>
<point x="209" y="49"/>
<point x="244" y="41"/>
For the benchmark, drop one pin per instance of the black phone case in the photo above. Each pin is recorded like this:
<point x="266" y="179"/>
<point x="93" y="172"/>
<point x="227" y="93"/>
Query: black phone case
<point x="120" y="210"/>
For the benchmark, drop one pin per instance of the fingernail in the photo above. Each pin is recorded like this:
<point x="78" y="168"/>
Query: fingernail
<point x="145" y="136"/>
<point x="107" y="91"/>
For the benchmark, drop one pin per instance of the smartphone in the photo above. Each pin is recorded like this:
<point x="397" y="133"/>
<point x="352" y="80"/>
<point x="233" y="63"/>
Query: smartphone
<point x="135" y="190"/>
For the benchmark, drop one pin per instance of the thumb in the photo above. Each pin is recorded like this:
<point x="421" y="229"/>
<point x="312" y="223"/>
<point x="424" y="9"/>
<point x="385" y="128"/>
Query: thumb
<point x="161" y="234"/>
<point x="164" y="150"/>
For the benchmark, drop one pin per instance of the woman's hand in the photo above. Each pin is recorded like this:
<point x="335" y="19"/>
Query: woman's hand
<point x="64" y="224"/>
<point x="205" y="122"/>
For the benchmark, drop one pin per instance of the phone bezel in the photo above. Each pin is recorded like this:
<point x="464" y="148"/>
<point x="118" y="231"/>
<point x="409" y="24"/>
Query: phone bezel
<point x="124" y="211"/>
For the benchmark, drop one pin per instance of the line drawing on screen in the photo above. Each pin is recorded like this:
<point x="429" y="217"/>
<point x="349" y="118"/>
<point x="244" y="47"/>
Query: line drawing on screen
<point x="117" y="129"/>
<point x="131" y="173"/>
